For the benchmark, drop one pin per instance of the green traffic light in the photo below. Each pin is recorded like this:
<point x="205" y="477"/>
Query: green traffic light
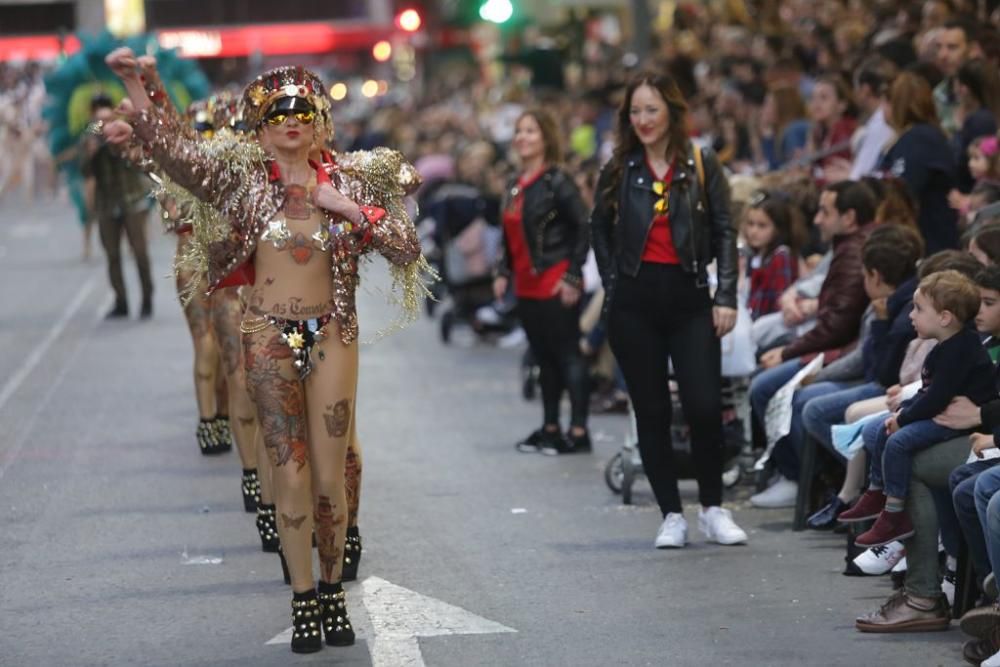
<point x="496" y="11"/>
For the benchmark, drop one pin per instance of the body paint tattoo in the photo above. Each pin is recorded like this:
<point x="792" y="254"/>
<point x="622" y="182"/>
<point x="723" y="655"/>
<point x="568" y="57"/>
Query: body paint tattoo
<point x="326" y="537"/>
<point x="338" y="418"/>
<point x="297" y="205"/>
<point x="300" y="248"/>
<point x="352" y="485"/>
<point x="280" y="400"/>
<point x="292" y="522"/>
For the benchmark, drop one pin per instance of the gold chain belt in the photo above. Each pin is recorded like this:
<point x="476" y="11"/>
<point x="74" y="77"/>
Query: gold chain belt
<point x="255" y="325"/>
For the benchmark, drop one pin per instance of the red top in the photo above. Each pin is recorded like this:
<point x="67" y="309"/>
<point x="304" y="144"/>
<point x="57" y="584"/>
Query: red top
<point x="528" y="283"/>
<point x="660" y="242"/>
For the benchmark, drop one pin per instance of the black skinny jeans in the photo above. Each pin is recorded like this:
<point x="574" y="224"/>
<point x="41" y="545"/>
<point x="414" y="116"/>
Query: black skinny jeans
<point x="553" y="332"/>
<point x="662" y="314"/>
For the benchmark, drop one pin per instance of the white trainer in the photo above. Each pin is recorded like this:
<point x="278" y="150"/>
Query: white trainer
<point x="673" y="532"/>
<point x="718" y="526"/>
<point x="780" y="494"/>
<point x="879" y="560"/>
<point x="992" y="661"/>
<point x="900" y="566"/>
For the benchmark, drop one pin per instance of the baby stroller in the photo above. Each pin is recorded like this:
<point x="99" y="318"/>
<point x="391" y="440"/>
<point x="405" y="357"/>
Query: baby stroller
<point x="624" y="467"/>
<point x="460" y="237"/>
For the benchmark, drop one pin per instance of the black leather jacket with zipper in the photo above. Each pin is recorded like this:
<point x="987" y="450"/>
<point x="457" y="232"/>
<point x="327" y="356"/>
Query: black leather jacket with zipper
<point x="555" y="225"/>
<point x="700" y="223"/>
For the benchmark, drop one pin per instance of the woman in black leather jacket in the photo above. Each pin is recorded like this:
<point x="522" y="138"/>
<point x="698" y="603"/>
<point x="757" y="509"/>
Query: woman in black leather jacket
<point x="660" y="218"/>
<point x="545" y="247"/>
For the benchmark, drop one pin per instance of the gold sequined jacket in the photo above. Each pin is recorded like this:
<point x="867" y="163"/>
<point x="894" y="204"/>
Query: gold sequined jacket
<point x="239" y="180"/>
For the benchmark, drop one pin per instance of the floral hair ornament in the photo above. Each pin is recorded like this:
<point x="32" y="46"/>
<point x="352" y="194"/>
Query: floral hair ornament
<point x="287" y="82"/>
<point x="988" y="146"/>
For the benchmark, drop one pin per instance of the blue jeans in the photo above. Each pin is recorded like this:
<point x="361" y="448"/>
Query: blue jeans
<point x="987" y="485"/>
<point x="891" y="456"/>
<point x="822" y="413"/>
<point x="762" y="389"/>
<point x="962" y="483"/>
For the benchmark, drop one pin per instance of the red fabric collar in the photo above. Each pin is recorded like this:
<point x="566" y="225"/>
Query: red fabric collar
<point x="526" y="180"/>
<point x="274" y="172"/>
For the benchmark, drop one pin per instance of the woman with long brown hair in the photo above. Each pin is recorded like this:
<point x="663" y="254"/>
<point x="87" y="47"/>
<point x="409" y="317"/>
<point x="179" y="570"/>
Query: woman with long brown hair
<point x="545" y="247"/>
<point x="661" y="217"/>
<point x="782" y="131"/>
<point x="833" y="121"/>
<point x="923" y="159"/>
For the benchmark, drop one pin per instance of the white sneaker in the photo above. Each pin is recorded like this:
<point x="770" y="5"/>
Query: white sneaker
<point x="900" y="566"/>
<point x="718" y="526"/>
<point x="992" y="661"/>
<point x="879" y="560"/>
<point x="781" y="494"/>
<point x="673" y="532"/>
<point x="948" y="585"/>
<point x="513" y="339"/>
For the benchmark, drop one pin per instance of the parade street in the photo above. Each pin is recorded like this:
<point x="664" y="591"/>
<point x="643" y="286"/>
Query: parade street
<point x="120" y="544"/>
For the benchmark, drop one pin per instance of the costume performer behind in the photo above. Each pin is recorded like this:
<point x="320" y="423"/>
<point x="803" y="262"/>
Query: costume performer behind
<point x="300" y="222"/>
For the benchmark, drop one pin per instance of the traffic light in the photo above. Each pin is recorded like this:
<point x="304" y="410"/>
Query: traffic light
<point x="496" y="11"/>
<point x="409" y="20"/>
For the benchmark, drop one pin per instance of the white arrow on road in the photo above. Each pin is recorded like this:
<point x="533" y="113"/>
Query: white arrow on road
<point x="399" y="616"/>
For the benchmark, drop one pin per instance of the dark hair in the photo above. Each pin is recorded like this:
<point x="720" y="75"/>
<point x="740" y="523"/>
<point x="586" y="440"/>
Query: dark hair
<point x="551" y="135"/>
<point x="841" y="90"/>
<point x="896" y="204"/>
<point x="950" y="260"/>
<point x="911" y="102"/>
<point x="100" y="101"/>
<point x="877" y="73"/>
<point x="893" y="251"/>
<point x="786" y="217"/>
<point x="988" y="240"/>
<point x="967" y="27"/>
<point x="626" y="140"/>
<point x="989" y="278"/>
<point x="983" y="82"/>
<point x="854" y="196"/>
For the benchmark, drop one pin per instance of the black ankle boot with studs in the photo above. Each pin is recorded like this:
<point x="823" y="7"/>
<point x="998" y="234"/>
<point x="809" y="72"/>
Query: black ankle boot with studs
<point x="208" y="438"/>
<point x="267" y="527"/>
<point x="306" y="618"/>
<point x="352" y="554"/>
<point x="223" y="435"/>
<point x="336" y="623"/>
<point x="251" y="490"/>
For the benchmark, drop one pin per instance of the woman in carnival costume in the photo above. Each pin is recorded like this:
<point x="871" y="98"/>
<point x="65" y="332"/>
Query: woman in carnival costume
<point x="300" y="221"/>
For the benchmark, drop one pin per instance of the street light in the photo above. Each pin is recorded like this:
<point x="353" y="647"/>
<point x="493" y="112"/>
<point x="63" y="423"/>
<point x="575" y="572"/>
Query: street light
<point x="409" y="20"/>
<point x="496" y="11"/>
<point x="382" y="51"/>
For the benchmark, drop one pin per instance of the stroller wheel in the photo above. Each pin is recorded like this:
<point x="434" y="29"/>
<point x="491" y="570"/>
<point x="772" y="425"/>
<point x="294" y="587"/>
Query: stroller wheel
<point x="614" y="473"/>
<point x="447" y="322"/>
<point x="628" y="477"/>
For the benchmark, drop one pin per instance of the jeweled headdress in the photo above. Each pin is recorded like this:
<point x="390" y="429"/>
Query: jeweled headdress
<point x="289" y="81"/>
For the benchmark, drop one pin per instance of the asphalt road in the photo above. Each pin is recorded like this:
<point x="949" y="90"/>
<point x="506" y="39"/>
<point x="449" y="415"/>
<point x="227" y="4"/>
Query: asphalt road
<point x="121" y="545"/>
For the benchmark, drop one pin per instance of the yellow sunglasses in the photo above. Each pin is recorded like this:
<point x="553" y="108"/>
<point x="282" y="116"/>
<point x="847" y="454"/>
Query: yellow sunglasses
<point x="304" y="117"/>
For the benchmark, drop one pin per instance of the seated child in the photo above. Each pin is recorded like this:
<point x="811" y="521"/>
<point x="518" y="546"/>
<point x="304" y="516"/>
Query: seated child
<point x="943" y="306"/>
<point x="774" y="232"/>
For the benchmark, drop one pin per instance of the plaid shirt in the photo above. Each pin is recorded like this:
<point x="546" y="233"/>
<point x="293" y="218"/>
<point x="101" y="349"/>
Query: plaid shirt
<point x="768" y="282"/>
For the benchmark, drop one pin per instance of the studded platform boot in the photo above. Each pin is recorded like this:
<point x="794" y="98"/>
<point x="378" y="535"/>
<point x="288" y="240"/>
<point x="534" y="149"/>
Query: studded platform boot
<point x="306" y="618"/>
<point x="336" y="623"/>
<point x="223" y="434"/>
<point x="267" y="527"/>
<point x="352" y="554"/>
<point x="251" y="490"/>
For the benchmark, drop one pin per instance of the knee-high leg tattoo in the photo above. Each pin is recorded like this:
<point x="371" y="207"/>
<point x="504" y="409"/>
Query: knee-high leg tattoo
<point x="280" y="399"/>
<point x="352" y="478"/>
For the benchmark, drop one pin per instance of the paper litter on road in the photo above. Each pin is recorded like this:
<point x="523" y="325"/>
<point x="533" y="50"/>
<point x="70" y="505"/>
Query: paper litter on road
<point x="518" y="510"/>
<point x="200" y="560"/>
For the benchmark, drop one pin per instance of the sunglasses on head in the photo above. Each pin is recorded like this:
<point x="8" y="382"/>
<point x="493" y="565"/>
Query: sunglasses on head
<point x="304" y="117"/>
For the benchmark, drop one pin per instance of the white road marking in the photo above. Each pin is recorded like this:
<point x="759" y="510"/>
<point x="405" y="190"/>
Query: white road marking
<point x="38" y="351"/>
<point x="397" y="616"/>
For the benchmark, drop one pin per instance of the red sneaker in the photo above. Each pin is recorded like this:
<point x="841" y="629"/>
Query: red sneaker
<point x="868" y="507"/>
<point x="890" y="527"/>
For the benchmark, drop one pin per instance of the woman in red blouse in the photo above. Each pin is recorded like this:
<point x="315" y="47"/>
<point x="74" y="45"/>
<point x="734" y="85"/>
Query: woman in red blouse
<point x="545" y="247"/>
<point x="832" y="115"/>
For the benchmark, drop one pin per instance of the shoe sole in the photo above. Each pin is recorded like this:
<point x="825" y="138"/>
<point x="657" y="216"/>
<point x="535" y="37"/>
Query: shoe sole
<point x="340" y="643"/>
<point x="858" y="519"/>
<point x="929" y="625"/>
<point x="670" y="546"/>
<point x="527" y="449"/>
<point x="894" y="538"/>
<point x="981" y="625"/>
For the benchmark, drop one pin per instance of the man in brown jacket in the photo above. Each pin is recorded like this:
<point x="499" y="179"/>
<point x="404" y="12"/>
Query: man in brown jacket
<point x="845" y="216"/>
